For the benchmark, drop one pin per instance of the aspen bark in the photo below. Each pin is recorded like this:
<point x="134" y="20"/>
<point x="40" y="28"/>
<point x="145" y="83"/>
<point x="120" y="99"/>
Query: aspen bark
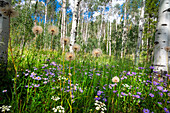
<point x="74" y="25"/>
<point x="63" y="22"/>
<point x="4" y="37"/>
<point x="162" y="39"/>
<point x="124" y="35"/>
<point x="140" y="34"/>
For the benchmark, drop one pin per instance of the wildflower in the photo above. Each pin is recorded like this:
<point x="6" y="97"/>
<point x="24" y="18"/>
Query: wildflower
<point x="123" y="94"/>
<point x="53" y="30"/>
<point x="99" y="92"/>
<point x="152" y="95"/>
<point x="97" y="98"/>
<point x="80" y="90"/>
<point x="65" y="41"/>
<point x="145" y="110"/>
<point x="160" y="93"/>
<point x="4" y="91"/>
<point x="70" y="56"/>
<point x="55" y="98"/>
<point x="60" y="109"/>
<point x="166" y="110"/>
<point x="160" y="87"/>
<point x="97" y="52"/>
<point x="36" y="85"/>
<point x="114" y="91"/>
<point x="115" y="79"/>
<point x="151" y="67"/>
<point x="38" y="78"/>
<point x="104" y="99"/>
<point x="76" y="47"/>
<point x="9" y="11"/>
<point x="5" y="108"/>
<point x="100" y="106"/>
<point x="45" y="82"/>
<point x="137" y="96"/>
<point x="159" y="103"/>
<point x="169" y="94"/>
<point x="139" y="93"/>
<point x="37" y="29"/>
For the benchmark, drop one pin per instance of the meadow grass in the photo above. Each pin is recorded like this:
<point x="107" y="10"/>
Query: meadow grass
<point x="83" y="85"/>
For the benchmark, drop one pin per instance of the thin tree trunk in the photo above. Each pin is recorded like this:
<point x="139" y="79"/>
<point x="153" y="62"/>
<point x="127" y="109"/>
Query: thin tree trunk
<point x="74" y="25"/>
<point x="124" y="35"/>
<point x="101" y="26"/>
<point x="110" y="39"/>
<point x="63" y="21"/>
<point x="107" y="45"/>
<point x="45" y="21"/>
<point x="140" y="34"/>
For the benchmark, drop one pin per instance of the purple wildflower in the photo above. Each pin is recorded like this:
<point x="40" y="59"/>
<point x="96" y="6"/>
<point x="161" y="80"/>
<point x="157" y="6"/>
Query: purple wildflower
<point x="104" y="99"/>
<point x="165" y="90"/>
<point x="166" y="110"/>
<point x="160" y="93"/>
<point x="152" y="95"/>
<point x="159" y="103"/>
<point x="4" y="91"/>
<point x="97" y="74"/>
<point x="123" y="94"/>
<point x="169" y="94"/>
<point x="80" y="90"/>
<point x="99" y="92"/>
<point x="97" y="98"/>
<point x="133" y="73"/>
<point x="145" y="110"/>
<point x="160" y="87"/>
<point x="137" y="96"/>
<point x="114" y="91"/>
<point x="139" y="93"/>
<point x="151" y="67"/>
<point x="36" y="85"/>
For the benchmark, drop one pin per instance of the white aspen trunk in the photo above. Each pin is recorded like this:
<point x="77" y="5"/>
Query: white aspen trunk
<point x="64" y="21"/>
<point x="140" y="34"/>
<point x="61" y="38"/>
<point x="107" y="45"/>
<point x="74" y="25"/>
<point x="124" y="35"/>
<point x="162" y="39"/>
<point x="86" y="35"/>
<point x="110" y="39"/>
<point x="45" y="21"/>
<point x="104" y="32"/>
<point x="4" y="37"/>
<point x="116" y="24"/>
<point x="101" y="26"/>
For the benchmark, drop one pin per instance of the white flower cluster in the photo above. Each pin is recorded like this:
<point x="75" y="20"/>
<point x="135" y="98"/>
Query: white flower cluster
<point x="126" y="85"/>
<point x="5" y="108"/>
<point x="100" y="106"/>
<point x="55" y="98"/>
<point x="61" y="78"/>
<point x="60" y="109"/>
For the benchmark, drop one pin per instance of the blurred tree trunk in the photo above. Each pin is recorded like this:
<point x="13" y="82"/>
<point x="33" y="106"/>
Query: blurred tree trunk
<point x="74" y="24"/>
<point x="140" y="33"/>
<point x="4" y="37"/>
<point x="63" y="25"/>
<point x="101" y="25"/>
<point x="124" y="35"/>
<point x="45" y="20"/>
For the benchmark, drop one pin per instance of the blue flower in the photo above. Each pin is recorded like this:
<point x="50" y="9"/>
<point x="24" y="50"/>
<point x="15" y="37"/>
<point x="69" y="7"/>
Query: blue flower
<point x="146" y="110"/>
